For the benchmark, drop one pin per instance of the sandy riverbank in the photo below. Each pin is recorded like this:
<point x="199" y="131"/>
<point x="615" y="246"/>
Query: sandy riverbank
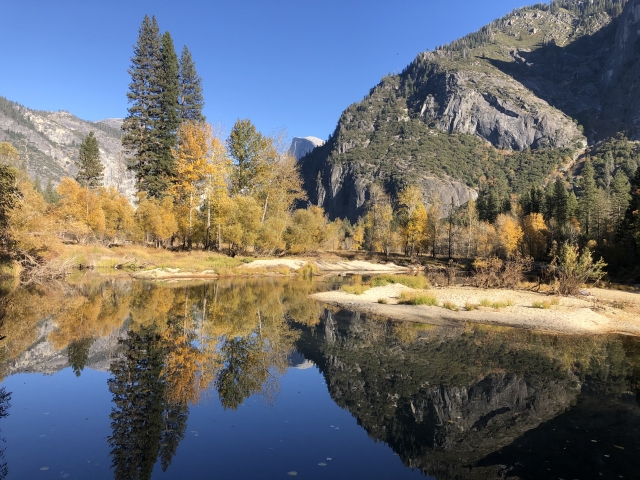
<point x="603" y="311"/>
<point x="277" y="266"/>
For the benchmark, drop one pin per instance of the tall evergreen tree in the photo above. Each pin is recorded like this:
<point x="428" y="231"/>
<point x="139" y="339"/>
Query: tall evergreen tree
<point x="587" y="199"/>
<point x="560" y="202"/>
<point x="629" y="229"/>
<point x="90" y="170"/>
<point x="620" y="196"/>
<point x="169" y="120"/>
<point x="191" y="99"/>
<point x="140" y="127"/>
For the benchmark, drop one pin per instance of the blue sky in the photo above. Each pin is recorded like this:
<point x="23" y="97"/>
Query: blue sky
<point x="295" y="64"/>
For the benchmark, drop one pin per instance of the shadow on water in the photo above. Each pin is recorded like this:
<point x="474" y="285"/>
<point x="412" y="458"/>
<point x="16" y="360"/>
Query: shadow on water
<point x="454" y="402"/>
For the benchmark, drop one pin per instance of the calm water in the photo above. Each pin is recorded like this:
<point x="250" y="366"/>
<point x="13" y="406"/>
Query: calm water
<point x="250" y="379"/>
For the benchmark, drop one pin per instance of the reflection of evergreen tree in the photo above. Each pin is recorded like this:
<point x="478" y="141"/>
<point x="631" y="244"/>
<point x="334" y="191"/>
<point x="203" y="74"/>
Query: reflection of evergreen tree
<point x="143" y="427"/>
<point x="243" y="373"/>
<point x="4" y="411"/>
<point x="173" y="429"/>
<point x="78" y="353"/>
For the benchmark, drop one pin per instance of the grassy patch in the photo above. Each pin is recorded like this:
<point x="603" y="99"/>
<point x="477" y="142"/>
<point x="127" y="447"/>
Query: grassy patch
<point x="450" y="306"/>
<point x="418" y="281"/>
<point x="357" y="289"/>
<point x="545" y="305"/>
<point x="470" y="307"/>
<point x="309" y="270"/>
<point x="383" y="301"/>
<point x="417" y="299"/>
<point x="495" y="305"/>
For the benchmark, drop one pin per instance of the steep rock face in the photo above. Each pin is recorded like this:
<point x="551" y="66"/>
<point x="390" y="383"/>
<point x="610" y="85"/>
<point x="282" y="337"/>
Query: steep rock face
<point x="622" y="78"/>
<point x="300" y="146"/>
<point x="542" y="78"/>
<point x="49" y="142"/>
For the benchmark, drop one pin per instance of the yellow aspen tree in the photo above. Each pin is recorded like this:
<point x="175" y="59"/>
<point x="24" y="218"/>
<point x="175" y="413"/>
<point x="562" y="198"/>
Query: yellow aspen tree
<point x="413" y="218"/>
<point x="118" y="214"/>
<point x="192" y="166"/>
<point x="80" y="210"/>
<point x="535" y="235"/>
<point x="508" y="235"/>
<point x="216" y="190"/>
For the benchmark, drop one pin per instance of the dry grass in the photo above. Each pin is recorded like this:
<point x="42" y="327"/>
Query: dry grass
<point x="383" y="301"/>
<point x="411" y="281"/>
<point x="450" y="306"/>
<point x="495" y="305"/>
<point x="357" y="289"/>
<point x="417" y="299"/>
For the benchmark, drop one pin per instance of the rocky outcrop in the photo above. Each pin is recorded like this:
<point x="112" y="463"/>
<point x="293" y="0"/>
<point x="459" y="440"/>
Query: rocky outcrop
<point x="300" y="146"/>
<point x="49" y="141"/>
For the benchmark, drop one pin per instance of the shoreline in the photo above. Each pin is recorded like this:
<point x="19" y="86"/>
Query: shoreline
<point x="602" y="312"/>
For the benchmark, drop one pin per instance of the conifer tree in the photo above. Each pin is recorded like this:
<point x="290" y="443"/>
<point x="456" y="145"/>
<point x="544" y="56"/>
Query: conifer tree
<point x="587" y="200"/>
<point x="90" y="170"/>
<point x="190" y="97"/>
<point x="620" y="196"/>
<point x="169" y="120"/>
<point x="560" y="202"/>
<point x="140" y="127"/>
<point x="50" y="195"/>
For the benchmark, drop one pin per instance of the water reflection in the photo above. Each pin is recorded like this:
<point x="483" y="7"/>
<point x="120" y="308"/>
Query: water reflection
<point x="480" y="402"/>
<point x="466" y="402"/>
<point x="5" y="397"/>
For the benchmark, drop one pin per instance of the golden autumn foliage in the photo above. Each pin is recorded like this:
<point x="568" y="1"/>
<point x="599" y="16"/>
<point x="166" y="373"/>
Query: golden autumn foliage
<point x="535" y="235"/>
<point x="509" y="235"/>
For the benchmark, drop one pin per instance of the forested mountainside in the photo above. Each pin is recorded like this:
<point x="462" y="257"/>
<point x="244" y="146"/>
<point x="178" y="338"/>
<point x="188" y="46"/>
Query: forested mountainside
<point x="48" y="142"/>
<point x="505" y="106"/>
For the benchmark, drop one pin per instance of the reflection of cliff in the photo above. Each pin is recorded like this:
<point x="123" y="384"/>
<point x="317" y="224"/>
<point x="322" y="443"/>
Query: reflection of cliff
<point x="448" y="399"/>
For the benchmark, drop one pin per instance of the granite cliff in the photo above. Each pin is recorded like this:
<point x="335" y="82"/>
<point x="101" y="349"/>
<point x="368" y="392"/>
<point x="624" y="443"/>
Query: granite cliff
<point x="49" y="143"/>
<point x="541" y="82"/>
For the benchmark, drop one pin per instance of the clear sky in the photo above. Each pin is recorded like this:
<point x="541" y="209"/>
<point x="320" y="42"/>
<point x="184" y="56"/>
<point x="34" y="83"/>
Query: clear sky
<point x="295" y="64"/>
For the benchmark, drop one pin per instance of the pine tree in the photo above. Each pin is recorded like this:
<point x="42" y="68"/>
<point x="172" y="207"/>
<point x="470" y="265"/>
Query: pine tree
<point x="560" y="202"/>
<point x="587" y="200"/>
<point x="140" y="127"/>
<point x="90" y="170"/>
<point x="170" y="116"/>
<point x="50" y="195"/>
<point x="619" y="196"/>
<point x="190" y="99"/>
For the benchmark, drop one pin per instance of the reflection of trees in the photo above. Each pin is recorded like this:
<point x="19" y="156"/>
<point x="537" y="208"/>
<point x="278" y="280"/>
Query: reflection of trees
<point x="234" y="335"/>
<point x="5" y="397"/>
<point x="78" y="353"/>
<point x="144" y="425"/>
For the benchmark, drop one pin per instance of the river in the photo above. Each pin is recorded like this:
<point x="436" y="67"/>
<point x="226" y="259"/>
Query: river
<point x="251" y="379"/>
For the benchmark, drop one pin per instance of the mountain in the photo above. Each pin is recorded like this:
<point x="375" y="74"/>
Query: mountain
<point x="503" y="107"/>
<point x="49" y="141"/>
<point x="300" y="146"/>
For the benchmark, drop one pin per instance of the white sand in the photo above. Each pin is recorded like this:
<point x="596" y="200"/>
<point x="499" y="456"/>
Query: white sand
<point x="571" y="315"/>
